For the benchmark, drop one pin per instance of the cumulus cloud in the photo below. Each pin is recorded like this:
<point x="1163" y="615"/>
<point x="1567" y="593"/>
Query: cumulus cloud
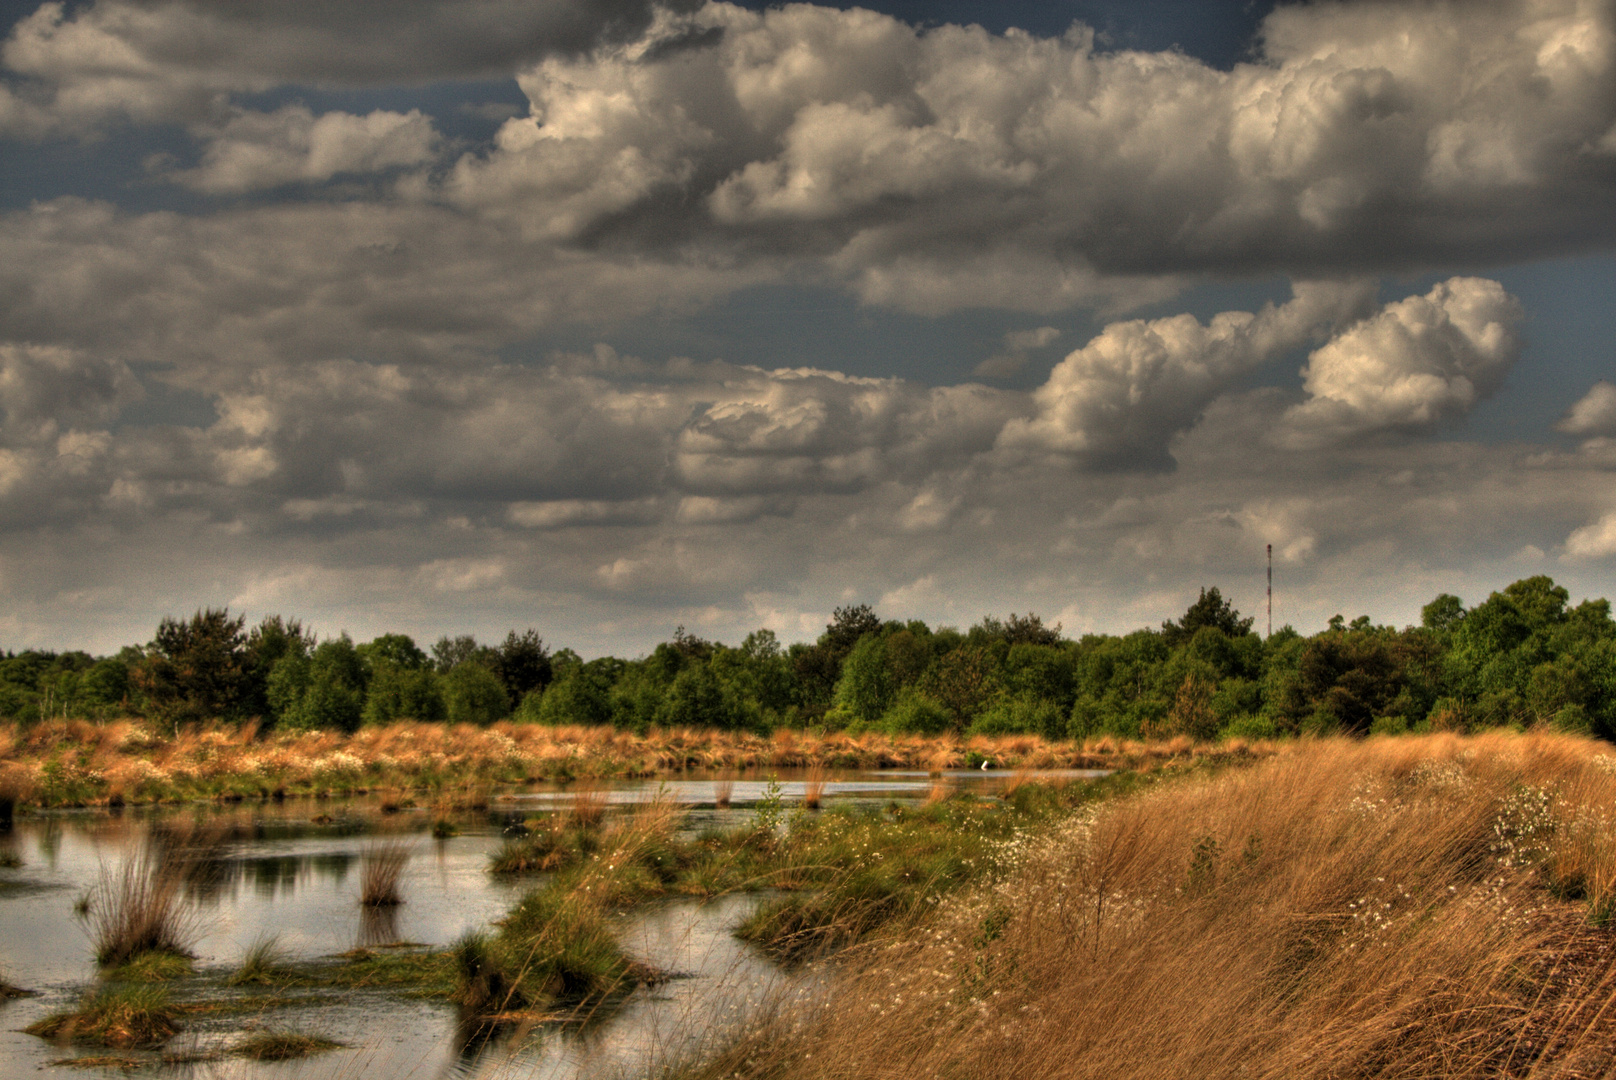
<point x="1017" y="344"/>
<point x="213" y="295"/>
<point x="1415" y="364"/>
<point x="45" y="390"/>
<point x="931" y="169"/>
<point x="1122" y="397"/>
<point x="1596" y="540"/>
<point x="291" y="145"/>
<point x="1594" y="414"/>
<point x="155" y="61"/>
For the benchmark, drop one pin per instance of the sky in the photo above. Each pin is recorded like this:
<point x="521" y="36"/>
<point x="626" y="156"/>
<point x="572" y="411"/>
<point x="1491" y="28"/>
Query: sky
<point x="603" y="317"/>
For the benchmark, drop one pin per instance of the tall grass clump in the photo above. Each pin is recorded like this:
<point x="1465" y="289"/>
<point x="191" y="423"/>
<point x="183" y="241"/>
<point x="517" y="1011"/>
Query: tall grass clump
<point x="588" y="806"/>
<point x="139" y="908"/>
<point x="381" y="872"/>
<point x="1395" y="908"/>
<point x="723" y="792"/>
<point x="264" y="964"/>
<point x="813" y="788"/>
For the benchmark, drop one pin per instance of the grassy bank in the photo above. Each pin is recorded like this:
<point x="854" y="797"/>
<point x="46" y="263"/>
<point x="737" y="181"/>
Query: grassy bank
<point x="79" y="763"/>
<point x="1427" y="907"/>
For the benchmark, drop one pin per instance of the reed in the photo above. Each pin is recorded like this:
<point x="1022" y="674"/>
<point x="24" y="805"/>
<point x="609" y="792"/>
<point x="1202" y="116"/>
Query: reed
<point x="381" y="873"/>
<point x="1018" y="779"/>
<point x="588" y="806"/>
<point x="813" y="788"/>
<point x="139" y="908"/>
<point x="723" y="792"/>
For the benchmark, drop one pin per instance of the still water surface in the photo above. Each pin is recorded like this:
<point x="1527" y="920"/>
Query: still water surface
<point x="291" y="870"/>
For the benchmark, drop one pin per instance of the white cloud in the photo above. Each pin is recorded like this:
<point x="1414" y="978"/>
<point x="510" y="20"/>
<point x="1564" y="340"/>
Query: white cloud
<point x="1417" y="363"/>
<point x="1124" y="395"/>
<point x="1594" y="414"/>
<point x="178" y="61"/>
<point x="936" y="169"/>
<point x="1596" y="540"/>
<point x="291" y="145"/>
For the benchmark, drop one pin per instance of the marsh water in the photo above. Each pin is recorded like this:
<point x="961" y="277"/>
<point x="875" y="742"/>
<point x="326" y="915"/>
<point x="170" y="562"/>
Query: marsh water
<point x="290" y="870"/>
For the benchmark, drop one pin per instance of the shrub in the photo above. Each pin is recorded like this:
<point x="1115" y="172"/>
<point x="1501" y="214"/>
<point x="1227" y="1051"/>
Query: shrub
<point x="916" y="714"/>
<point x="474" y="695"/>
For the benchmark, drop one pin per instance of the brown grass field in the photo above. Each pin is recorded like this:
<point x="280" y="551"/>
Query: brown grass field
<point x="1433" y="906"/>
<point x="75" y="763"/>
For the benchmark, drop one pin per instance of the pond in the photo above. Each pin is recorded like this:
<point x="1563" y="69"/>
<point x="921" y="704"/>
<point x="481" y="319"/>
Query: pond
<point x="290" y="871"/>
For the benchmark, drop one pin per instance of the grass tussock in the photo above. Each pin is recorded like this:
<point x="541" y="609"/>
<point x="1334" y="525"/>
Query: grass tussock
<point x="1418" y="907"/>
<point x="140" y="909"/>
<point x="283" y="1046"/>
<point x="723" y="792"/>
<point x="265" y="964"/>
<point x="381" y="872"/>
<point x="588" y="806"/>
<point x="813" y="789"/>
<point x="150" y="967"/>
<point x="124" y="1017"/>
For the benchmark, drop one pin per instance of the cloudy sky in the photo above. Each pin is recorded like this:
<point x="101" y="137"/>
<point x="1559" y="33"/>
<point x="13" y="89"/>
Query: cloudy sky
<point x="602" y="316"/>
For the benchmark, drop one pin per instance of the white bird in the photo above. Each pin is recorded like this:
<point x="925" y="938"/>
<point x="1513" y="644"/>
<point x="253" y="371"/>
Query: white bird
<point x="984" y="766"/>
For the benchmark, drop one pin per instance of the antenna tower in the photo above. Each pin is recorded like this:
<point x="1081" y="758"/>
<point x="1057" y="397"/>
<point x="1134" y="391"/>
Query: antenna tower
<point x="1270" y="590"/>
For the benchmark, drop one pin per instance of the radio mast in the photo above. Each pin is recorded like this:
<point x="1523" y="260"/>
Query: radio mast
<point x="1270" y="590"/>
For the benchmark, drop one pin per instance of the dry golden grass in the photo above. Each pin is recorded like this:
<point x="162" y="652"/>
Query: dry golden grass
<point x="381" y="873"/>
<point x="125" y="762"/>
<point x="140" y="908"/>
<point x="813" y="788"/>
<point x="588" y="806"/>
<point x="1343" y="910"/>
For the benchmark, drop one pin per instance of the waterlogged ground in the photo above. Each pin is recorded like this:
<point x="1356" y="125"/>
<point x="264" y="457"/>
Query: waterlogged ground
<point x="291" y="870"/>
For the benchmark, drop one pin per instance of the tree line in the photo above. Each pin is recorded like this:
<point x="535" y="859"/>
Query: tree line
<point x="1521" y="657"/>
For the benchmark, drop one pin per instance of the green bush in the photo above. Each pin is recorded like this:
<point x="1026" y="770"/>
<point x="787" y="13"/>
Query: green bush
<point x="474" y="695"/>
<point x="916" y="714"/>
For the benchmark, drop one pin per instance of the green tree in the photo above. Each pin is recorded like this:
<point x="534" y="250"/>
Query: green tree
<point x="1210" y="610"/>
<point x="866" y="689"/>
<point x="324" y="690"/>
<point x="195" y="669"/>
<point x="472" y="694"/>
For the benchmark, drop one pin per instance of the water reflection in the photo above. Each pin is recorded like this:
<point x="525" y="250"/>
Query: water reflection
<point x="288" y="870"/>
<point x="378" y="927"/>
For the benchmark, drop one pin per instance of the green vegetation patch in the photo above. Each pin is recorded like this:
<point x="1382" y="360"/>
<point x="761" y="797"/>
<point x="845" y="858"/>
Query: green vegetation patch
<point x="150" y="967"/>
<point x="284" y="1046"/>
<point x="124" y="1017"/>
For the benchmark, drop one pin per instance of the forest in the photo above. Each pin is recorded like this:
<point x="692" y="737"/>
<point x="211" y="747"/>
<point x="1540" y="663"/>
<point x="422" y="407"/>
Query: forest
<point x="1522" y="657"/>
